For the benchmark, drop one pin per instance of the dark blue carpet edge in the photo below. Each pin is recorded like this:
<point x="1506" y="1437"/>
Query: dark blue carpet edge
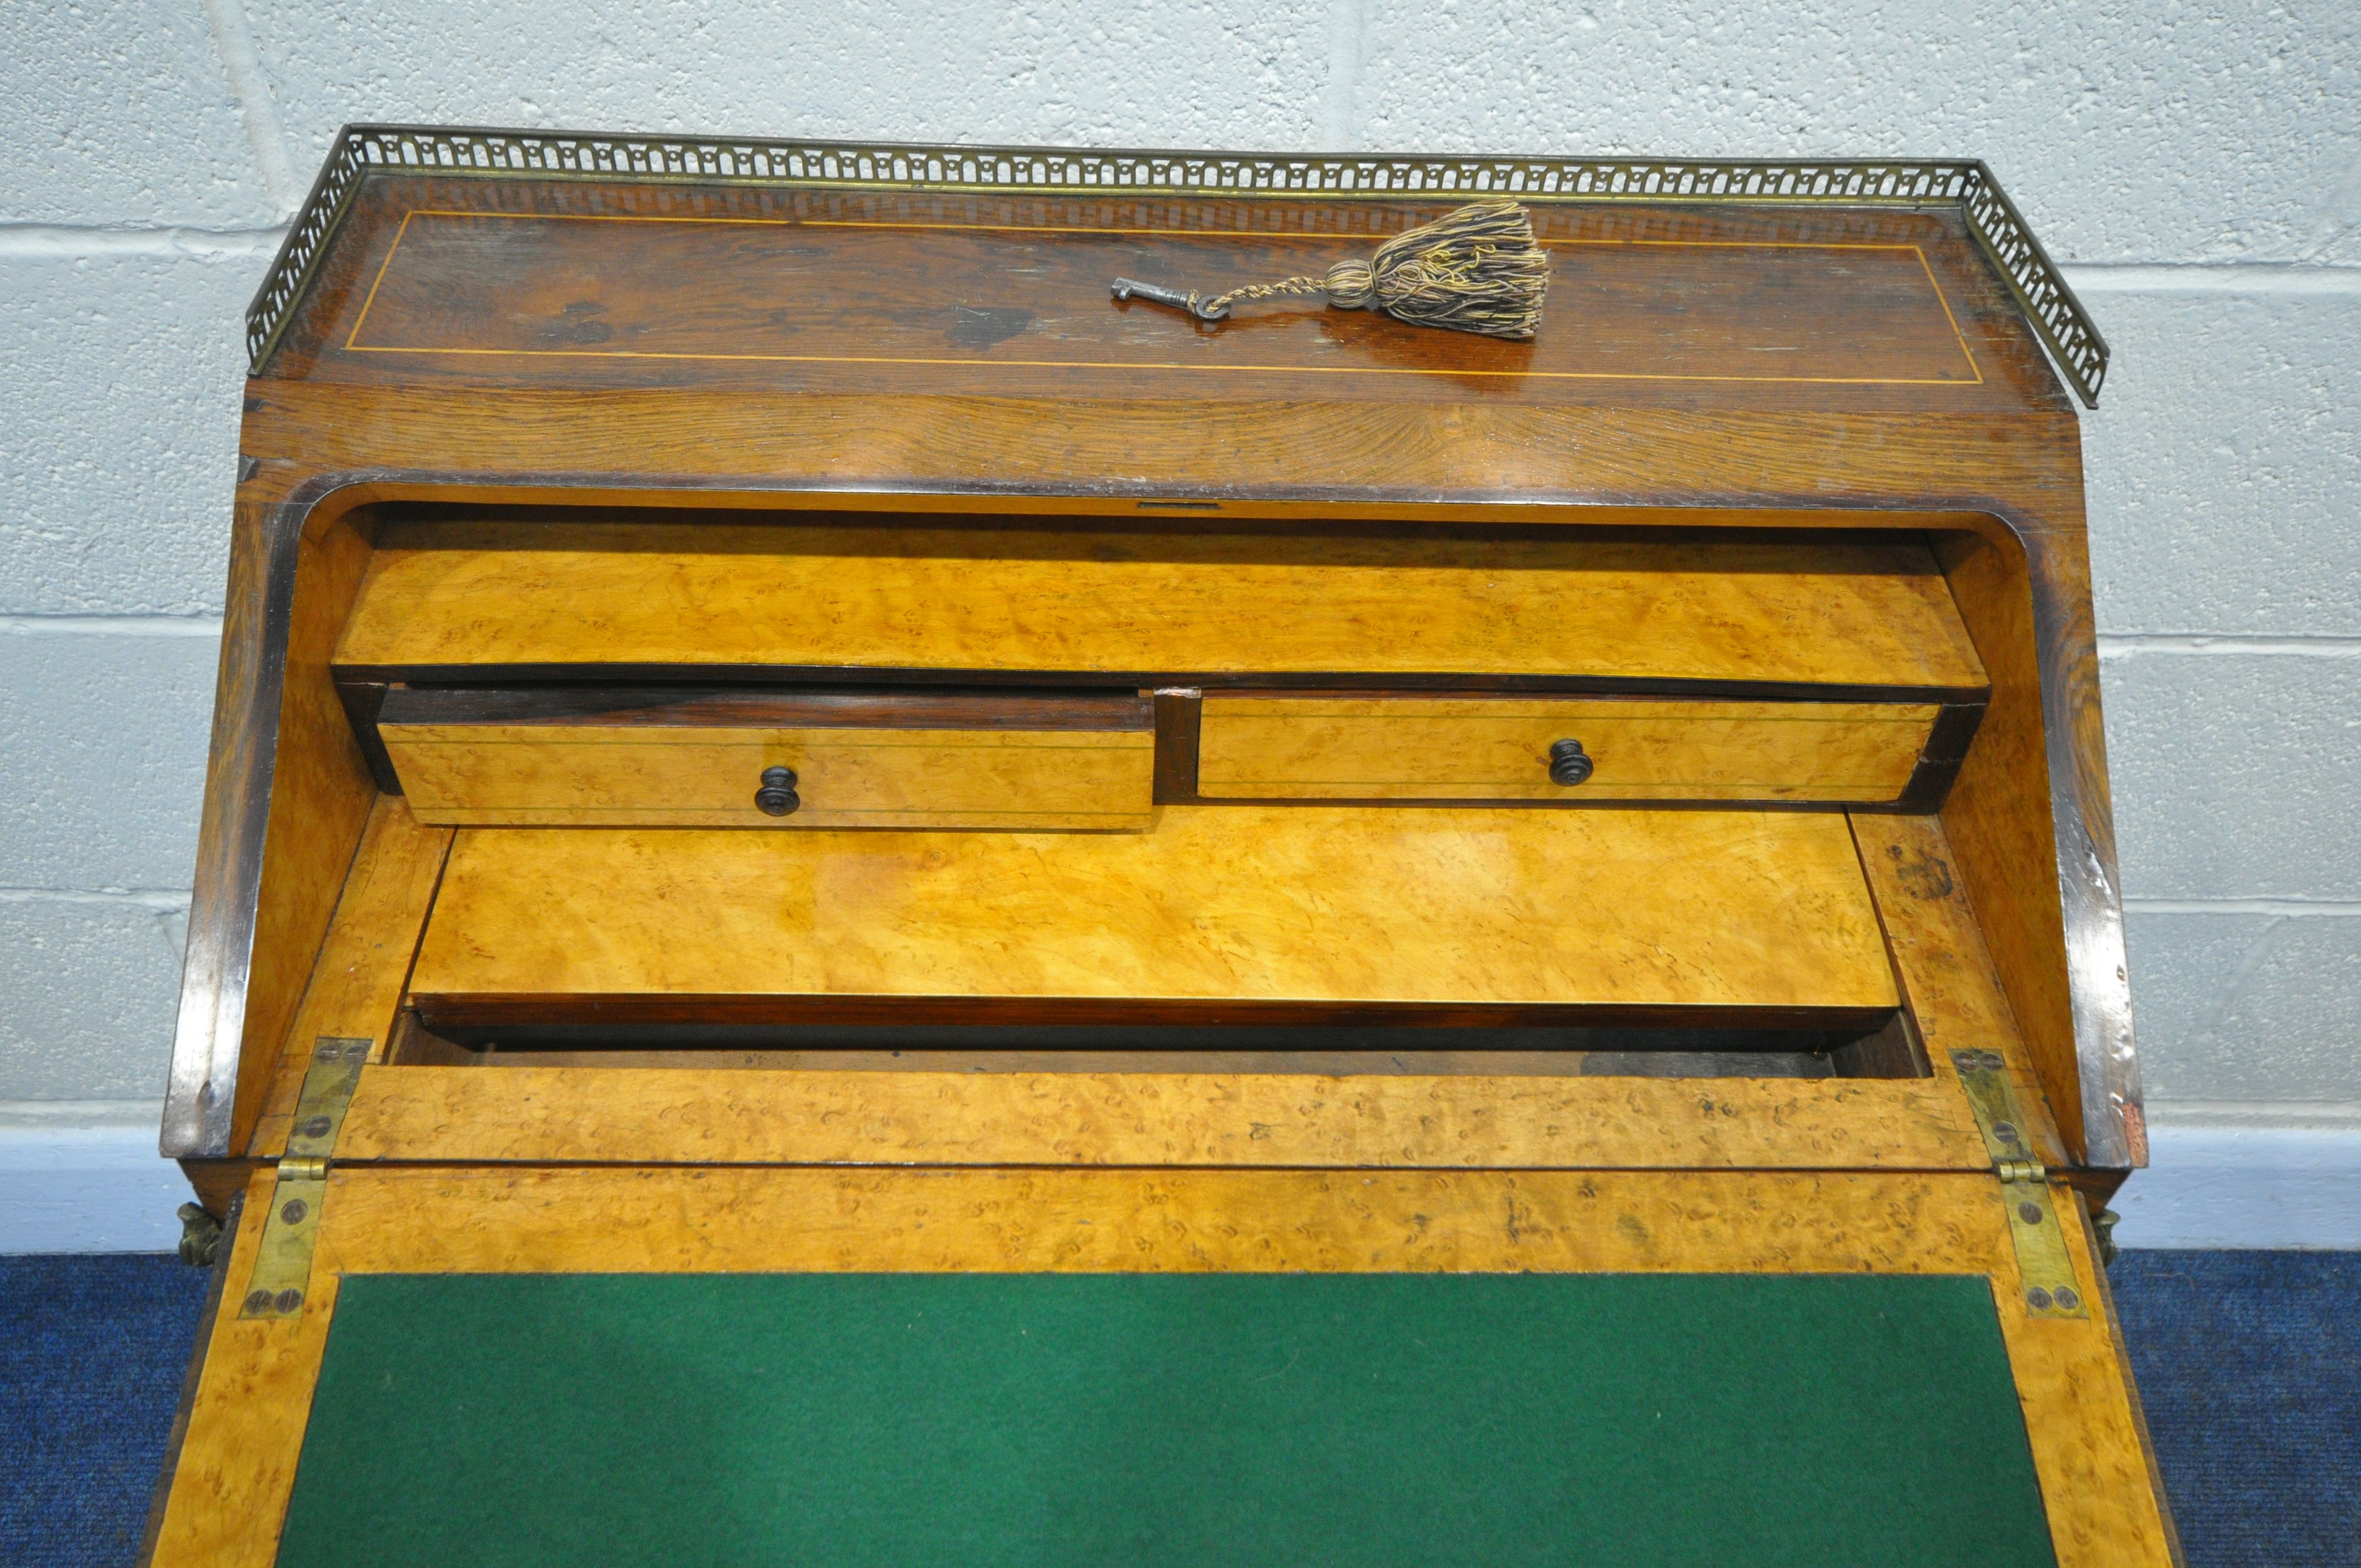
<point x="2248" y="1362"/>
<point x="94" y="1352"/>
<point x="2249" y="1365"/>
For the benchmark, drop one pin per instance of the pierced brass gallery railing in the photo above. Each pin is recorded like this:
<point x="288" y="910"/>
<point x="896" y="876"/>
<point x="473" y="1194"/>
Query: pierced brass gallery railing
<point x="2055" y="315"/>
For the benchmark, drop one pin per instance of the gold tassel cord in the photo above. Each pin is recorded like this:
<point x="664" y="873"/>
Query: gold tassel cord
<point x="1476" y="269"/>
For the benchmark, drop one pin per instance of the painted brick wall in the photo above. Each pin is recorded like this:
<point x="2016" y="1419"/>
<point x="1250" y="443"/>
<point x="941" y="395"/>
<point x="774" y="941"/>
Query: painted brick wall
<point x="2198" y="166"/>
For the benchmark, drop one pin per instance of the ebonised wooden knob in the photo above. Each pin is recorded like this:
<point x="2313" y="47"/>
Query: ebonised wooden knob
<point x="777" y="797"/>
<point x="1568" y="763"/>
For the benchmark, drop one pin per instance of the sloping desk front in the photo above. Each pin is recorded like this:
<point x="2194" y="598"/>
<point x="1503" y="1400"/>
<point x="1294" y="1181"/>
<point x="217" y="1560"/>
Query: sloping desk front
<point x="858" y="905"/>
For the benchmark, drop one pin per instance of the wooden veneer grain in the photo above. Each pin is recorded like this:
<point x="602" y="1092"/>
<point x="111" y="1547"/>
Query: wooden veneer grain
<point x="586" y="774"/>
<point x="1159" y="605"/>
<point x="363" y="971"/>
<point x="1225" y="911"/>
<point x="1347" y="747"/>
<point x="1950" y="984"/>
<point x="658" y="1115"/>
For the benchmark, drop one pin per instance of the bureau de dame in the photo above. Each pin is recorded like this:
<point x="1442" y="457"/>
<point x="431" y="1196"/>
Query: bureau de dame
<point x="860" y="904"/>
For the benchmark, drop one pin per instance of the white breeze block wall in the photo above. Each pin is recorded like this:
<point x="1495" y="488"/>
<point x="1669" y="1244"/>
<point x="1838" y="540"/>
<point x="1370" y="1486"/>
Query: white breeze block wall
<point x="2197" y="167"/>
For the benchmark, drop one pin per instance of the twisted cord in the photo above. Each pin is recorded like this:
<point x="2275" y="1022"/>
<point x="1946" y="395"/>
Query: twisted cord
<point x="1266" y="291"/>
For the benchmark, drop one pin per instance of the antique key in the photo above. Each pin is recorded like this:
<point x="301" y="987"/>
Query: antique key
<point x="1125" y="288"/>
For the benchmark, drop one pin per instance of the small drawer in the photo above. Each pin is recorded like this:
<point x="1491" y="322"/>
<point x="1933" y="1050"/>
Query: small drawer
<point x="736" y="761"/>
<point x="1559" y="748"/>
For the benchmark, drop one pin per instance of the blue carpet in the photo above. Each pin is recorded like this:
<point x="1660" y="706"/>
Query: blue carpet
<point x="2249" y="1363"/>
<point x="93" y="1350"/>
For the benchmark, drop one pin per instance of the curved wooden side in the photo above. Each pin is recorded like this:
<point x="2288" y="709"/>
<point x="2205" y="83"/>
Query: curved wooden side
<point x="287" y="793"/>
<point x="2032" y="819"/>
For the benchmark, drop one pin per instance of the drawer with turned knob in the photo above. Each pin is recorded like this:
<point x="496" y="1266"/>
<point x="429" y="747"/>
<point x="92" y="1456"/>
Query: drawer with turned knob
<point x="689" y="759"/>
<point x="1567" y="751"/>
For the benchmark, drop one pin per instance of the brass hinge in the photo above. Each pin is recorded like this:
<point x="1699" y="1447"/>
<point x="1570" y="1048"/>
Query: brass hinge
<point x="2042" y="1260"/>
<point x="282" y="1264"/>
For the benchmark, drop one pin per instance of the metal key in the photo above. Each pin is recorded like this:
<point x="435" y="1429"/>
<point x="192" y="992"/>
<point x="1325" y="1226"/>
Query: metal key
<point x="1125" y="288"/>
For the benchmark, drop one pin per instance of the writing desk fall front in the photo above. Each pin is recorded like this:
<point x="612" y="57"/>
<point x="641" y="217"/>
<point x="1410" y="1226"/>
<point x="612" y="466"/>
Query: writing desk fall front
<point x="860" y="906"/>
